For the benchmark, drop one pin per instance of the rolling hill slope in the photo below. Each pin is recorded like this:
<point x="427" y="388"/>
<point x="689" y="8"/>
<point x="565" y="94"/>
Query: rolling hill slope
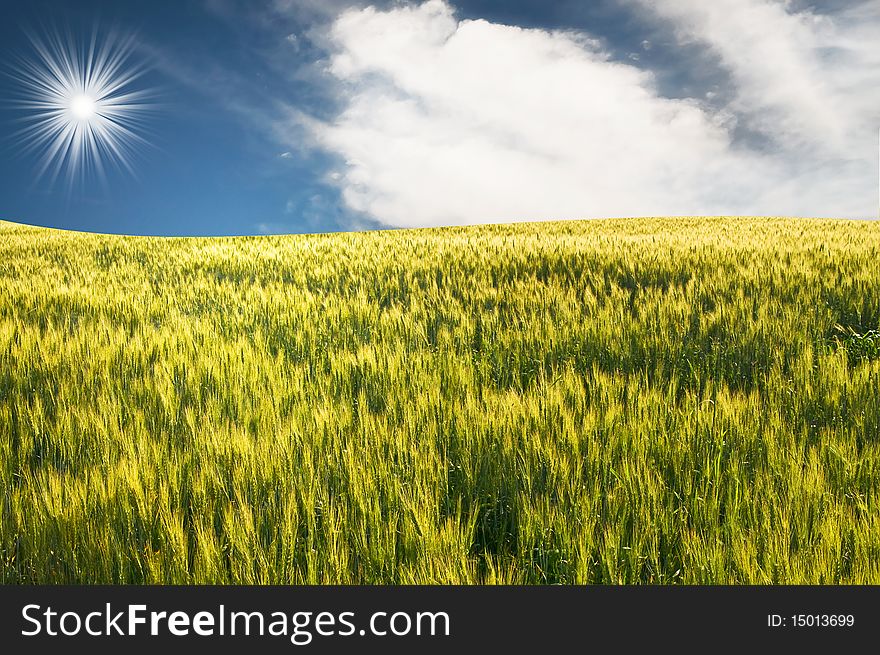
<point x="653" y="401"/>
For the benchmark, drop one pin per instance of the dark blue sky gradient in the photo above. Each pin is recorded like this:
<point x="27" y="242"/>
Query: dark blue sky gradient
<point x="214" y="170"/>
<point x="223" y="70"/>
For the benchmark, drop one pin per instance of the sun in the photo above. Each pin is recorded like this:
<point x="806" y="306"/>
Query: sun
<point x="82" y="109"/>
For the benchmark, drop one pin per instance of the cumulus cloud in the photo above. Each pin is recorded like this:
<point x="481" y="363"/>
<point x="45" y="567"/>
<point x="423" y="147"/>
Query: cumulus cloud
<point x="447" y="121"/>
<point x="801" y="78"/>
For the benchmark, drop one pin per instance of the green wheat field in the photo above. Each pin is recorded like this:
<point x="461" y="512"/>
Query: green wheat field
<point x="625" y="401"/>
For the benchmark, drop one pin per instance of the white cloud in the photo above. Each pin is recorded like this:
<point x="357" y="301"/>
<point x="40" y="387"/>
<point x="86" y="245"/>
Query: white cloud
<point x="801" y="78"/>
<point x="448" y="122"/>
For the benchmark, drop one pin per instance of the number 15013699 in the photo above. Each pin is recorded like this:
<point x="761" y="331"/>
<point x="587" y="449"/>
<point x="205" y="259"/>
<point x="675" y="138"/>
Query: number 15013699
<point x="811" y="621"/>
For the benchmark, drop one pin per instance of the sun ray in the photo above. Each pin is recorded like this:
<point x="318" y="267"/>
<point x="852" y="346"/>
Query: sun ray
<point x="82" y="112"/>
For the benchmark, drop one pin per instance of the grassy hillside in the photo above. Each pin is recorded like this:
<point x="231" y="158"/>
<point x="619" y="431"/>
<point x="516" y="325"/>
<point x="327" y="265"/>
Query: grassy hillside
<point x="657" y="401"/>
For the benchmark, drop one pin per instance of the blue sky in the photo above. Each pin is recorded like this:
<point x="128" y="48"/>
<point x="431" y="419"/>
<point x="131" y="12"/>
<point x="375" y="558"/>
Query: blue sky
<point x="281" y="116"/>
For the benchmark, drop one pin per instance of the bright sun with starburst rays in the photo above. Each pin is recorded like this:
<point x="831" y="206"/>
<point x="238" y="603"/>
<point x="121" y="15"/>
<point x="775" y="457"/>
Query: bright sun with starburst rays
<point x="82" y="110"/>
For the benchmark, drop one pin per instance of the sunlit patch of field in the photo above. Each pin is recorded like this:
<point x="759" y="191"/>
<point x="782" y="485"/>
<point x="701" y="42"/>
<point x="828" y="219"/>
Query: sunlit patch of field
<point x="628" y="401"/>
